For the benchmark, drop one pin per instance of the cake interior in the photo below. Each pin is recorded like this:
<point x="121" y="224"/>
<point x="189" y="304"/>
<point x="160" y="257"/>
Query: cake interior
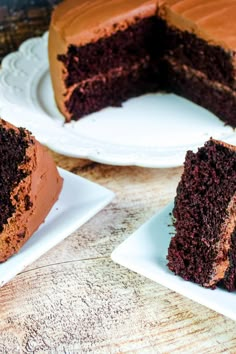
<point x="13" y="145"/>
<point x="191" y="51"/>
<point x="123" y="49"/>
<point x="199" y="251"/>
<point x="201" y="72"/>
<point x="112" y="69"/>
<point x="112" y="89"/>
<point x="188" y="83"/>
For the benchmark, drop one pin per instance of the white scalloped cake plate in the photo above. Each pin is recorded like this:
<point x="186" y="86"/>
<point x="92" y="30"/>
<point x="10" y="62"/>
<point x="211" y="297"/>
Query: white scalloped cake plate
<point x="79" y="201"/>
<point x="153" y="130"/>
<point x="145" y="251"/>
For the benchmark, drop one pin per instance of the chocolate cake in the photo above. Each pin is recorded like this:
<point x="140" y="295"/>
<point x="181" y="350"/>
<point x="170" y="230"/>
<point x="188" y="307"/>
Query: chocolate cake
<point x="203" y="247"/>
<point x="29" y="186"/>
<point x="103" y="52"/>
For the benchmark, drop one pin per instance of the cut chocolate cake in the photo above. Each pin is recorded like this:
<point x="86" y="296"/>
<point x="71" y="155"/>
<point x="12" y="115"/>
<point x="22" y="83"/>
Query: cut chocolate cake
<point x="103" y="52"/>
<point x="203" y="249"/>
<point x="29" y="186"/>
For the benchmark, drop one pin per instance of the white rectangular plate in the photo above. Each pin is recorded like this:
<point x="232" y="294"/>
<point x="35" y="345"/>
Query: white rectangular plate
<point x="79" y="200"/>
<point x="145" y="253"/>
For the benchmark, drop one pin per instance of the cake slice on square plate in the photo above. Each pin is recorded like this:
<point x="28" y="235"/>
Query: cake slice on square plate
<point x="203" y="249"/>
<point x="29" y="186"/>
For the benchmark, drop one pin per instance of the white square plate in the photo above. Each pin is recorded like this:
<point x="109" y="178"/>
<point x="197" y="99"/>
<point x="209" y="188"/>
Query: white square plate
<point x="145" y="253"/>
<point x="79" y="200"/>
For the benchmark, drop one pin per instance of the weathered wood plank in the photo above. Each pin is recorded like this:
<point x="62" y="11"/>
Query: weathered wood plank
<point x="96" y="306"/>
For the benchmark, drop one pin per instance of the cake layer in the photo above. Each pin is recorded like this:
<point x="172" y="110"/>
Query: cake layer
<point x="123" y="48"/>
<point x="204" y="215"/>
<point x="217" y="63"/>
<point x="194" y="86"/>
<point x="112" y="89"/>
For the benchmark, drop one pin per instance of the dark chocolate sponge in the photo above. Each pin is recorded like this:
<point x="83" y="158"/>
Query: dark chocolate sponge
<point x="203" y="248"/>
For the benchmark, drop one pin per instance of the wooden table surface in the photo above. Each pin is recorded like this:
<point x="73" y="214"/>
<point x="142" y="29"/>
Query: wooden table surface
<point x="74" y="299"/>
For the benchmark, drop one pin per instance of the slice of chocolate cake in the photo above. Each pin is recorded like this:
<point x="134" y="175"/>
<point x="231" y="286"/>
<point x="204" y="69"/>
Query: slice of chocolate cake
<point x="29" y="186"/>
<point x="203" y="248"/>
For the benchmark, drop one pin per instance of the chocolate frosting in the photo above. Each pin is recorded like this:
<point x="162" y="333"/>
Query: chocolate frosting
<point x="42" y="187"/>
<point x="80" y="22"/>
<point x="211" y="20"/>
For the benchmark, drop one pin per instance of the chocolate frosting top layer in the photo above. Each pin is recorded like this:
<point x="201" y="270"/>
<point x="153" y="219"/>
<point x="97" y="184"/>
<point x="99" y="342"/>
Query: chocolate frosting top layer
<point x="80" y="22"/>
<point x="213" y="20"/>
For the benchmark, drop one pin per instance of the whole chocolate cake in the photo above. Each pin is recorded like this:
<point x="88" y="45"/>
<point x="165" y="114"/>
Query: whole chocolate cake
<point x="203" y="249"/>
<point x="29" y="186"/>
<point x="103" y="52"/>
